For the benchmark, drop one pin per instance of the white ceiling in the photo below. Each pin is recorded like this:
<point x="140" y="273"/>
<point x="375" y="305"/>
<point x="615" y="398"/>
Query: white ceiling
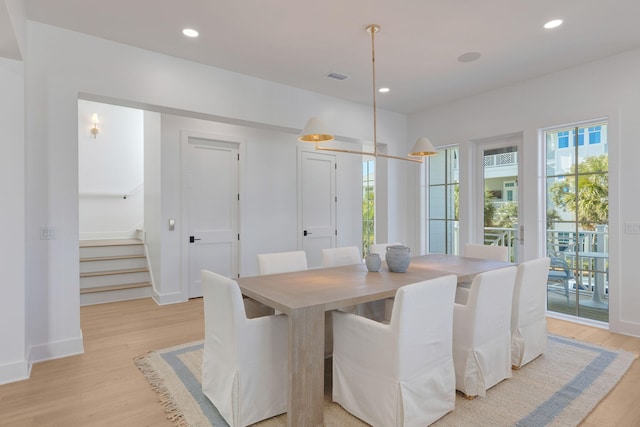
<point x="297" y="42"/>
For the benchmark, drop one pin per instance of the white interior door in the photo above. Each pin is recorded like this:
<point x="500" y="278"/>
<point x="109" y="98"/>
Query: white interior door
<point x="212" y="204"/>
<point x="317" y="201"/>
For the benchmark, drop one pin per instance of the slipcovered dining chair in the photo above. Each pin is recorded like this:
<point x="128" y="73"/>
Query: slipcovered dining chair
<point x="245" y="361"/>
<point x="275" y="263"/>
<point x="482" y="331"/>
<point x="490" y="252"/>
<point x="282" y="262"/>
<point x="381" y="248"/>
<point x="401" y="373"/>
<point x="336" y="257"/>
<point x="528" y="319"/>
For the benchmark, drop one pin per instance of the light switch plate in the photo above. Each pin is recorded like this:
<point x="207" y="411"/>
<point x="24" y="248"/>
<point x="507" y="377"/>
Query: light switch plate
<point x="632" y="227"/>
<point x="47" y="233"/>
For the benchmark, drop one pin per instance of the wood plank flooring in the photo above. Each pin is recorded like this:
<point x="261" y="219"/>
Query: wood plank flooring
<point x="102" y="387"/>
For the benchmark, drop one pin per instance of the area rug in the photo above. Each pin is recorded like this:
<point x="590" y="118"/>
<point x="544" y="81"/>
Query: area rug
<point x="559" y="388"/>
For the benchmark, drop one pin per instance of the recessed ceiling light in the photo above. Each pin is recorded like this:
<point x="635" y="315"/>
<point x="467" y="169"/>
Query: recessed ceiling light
<point x="383" y="90"/>
<point x="190" y="32"/>
<point x="469" y="57"/>
<point x="553" y="24"/>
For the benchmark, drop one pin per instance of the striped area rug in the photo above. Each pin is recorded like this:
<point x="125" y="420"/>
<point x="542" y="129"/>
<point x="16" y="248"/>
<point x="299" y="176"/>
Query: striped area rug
<point x="559" y="388"/>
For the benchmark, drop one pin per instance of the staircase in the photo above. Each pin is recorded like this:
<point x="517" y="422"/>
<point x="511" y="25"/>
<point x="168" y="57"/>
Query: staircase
<point x="113" y="270"/>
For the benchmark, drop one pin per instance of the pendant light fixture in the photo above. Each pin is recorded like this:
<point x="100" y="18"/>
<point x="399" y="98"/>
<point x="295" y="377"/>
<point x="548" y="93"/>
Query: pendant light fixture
<point x="316" y="132"/>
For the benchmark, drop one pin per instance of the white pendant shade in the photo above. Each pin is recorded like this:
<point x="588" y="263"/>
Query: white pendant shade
<point x="422" y="147"/>
<point x="315" y="131"/>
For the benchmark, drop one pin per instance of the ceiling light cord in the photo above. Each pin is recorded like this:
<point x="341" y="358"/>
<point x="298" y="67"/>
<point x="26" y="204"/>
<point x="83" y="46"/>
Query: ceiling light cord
<point x="316" y="132"/>
<point x="373" y="29"/>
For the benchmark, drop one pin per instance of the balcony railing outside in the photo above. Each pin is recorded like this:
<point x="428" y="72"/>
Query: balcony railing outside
<point x="589" y="264"/>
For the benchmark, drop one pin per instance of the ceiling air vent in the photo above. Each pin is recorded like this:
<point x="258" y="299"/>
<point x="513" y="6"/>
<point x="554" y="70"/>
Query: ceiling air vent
<point x="337" y="76"/>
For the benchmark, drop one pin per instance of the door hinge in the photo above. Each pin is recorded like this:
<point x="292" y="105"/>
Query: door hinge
<point x="238" y="196"/>
<point x="336" y="230"/>
<point x="238" y="157"/>
<point x="335" y="166"/>
<point x="238" y="275"/>
<point x="238" y="236"/>
<point x="336" y="199"/>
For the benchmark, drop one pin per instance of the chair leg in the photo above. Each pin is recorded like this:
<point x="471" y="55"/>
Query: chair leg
<point x="466" y="396"/>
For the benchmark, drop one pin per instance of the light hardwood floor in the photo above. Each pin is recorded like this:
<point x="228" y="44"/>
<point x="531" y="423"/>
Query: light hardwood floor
<point x="102" y="387"/>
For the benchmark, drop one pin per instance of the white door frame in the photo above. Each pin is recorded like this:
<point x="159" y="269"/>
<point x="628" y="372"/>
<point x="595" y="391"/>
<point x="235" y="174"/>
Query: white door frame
<point x="185" y="134"/>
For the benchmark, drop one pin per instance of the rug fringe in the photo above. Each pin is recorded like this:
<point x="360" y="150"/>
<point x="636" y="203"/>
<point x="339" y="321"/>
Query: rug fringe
<point x="172" y="411"/>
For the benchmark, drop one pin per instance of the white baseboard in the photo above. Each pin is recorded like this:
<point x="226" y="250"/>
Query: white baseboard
<point x="130" y="234"/>
<point x="56" y="350"/>
<point x="172" y="298"/>
<point x="12" y="372"/>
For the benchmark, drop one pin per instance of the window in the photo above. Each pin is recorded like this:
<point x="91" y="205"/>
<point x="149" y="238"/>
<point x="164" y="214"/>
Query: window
<point x="565" y="139"/>
<point x="443" y="201"/>
<point x="595" y="134"/>
<point x="368" y="204"/>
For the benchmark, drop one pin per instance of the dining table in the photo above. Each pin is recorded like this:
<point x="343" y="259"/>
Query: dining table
<point x="305" y="296"/>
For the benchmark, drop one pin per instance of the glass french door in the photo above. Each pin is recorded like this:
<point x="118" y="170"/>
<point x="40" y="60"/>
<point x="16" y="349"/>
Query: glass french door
<point x="443" y="202"/>
<point x="497" y="202"/>
<point x="577" y="192"/>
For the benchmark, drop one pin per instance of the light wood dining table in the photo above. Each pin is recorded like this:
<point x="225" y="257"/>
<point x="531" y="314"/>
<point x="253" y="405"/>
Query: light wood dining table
<point x="305" y="296"/>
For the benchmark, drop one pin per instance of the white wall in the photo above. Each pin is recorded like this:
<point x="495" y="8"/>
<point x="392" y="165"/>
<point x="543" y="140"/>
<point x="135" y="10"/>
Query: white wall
<point x="152" y="193"/>
<point x="608" y="88"/>
<point x="61" y="65"/>
<point x="268" y="198"/>
<point x="110" y="167"/>
<point x="13" y="364"/>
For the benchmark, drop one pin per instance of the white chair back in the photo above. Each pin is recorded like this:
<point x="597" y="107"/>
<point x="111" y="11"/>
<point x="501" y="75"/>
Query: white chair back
<point x="244" y="363"/>
<point x="528" y="312"/>
<point x="335" y="257"/>
<point x="282" y="262"/>
<point x="381" y="248"/>
<point x="401" y="373"/>
<point x="482" y="332"/>
<point x="495" y="253"/>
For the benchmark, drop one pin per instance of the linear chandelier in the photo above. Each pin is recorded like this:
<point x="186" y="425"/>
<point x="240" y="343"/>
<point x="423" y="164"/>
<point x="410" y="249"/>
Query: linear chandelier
<point x="316" y="132"/>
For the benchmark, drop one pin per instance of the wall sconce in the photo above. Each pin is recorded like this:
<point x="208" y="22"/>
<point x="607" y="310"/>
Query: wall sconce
<point x="94" y="122"/>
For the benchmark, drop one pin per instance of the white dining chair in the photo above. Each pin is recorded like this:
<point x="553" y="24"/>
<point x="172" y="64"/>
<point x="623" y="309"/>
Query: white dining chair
<point x="282" y="262"/>
<point x="336" y="257"/>
<point x="381" y="248"/>
<point x="279" y="262"/>
<point x="245" y="361"/>
<point x="348" y="255"/>
<point x="482" y="331"/>
<point x="528" y="312"/>
<point x="490" y="252"/>
<point x="401" y="373"/>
